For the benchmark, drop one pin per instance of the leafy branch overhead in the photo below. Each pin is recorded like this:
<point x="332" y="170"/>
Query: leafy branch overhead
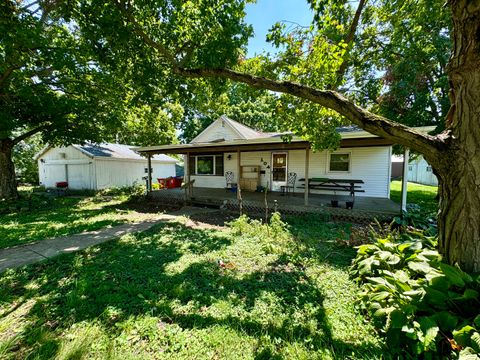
<point x="380" y="65"/>
<point x="195" y="63"/>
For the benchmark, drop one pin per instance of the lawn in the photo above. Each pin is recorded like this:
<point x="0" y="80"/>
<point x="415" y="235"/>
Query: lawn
<point x="423" y="195"/>
<point x="192" y="292"/>
<point x="57" y="216"/>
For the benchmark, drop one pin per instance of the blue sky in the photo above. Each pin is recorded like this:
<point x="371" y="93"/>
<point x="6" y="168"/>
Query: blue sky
<point x="265" y="13"/>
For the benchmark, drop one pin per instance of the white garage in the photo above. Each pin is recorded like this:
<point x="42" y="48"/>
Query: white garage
<point x="99" y="166"/>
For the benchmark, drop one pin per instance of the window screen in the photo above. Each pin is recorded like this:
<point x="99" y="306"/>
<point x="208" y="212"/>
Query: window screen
<point x="340" y="162"/>
<point x="219" y="165"/>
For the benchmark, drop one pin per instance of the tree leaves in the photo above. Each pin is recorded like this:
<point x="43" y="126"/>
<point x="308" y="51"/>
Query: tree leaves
<point x="419" y="302"/>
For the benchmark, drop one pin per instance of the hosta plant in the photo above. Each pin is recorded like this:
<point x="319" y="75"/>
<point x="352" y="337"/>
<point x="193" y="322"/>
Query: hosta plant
<point x="424" y="307"/>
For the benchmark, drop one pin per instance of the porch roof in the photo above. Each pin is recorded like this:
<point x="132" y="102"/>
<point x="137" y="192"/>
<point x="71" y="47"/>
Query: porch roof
<point x="349" y="139"/>
<point x="352" y="138"/>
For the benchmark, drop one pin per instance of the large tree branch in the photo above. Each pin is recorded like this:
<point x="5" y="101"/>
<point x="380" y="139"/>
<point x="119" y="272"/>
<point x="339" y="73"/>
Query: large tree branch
<point x="27" y="134"/>
<point x="375" y="124"/>
<point x="6" y="74"/>
<point x="426" y="144"/>
<point x="137" y="28"/>
<point x="348" y="40"/>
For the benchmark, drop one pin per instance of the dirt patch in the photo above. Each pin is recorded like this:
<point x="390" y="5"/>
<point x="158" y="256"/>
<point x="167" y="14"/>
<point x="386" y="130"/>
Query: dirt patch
<point x="212" y="219"/>
<point x="151" y="207"/>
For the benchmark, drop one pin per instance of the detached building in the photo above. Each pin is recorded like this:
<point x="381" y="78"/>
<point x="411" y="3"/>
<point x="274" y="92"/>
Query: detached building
<point x="99" y="166"/>
<point x="420" y="171"/>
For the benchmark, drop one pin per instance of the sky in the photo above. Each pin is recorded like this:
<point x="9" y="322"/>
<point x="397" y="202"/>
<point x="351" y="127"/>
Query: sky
<point x="265" y="13"/>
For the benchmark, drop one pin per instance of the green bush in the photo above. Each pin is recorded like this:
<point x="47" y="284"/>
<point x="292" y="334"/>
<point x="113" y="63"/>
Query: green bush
<point x="275" y="236"/>
<point x="417" y="218"/>
<point x="424" y="307"/>
<point x="134" y="192"/>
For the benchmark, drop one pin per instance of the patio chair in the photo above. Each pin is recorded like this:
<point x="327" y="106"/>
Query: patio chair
<point x="291" y="178"/>
<point x="229" y="180"/>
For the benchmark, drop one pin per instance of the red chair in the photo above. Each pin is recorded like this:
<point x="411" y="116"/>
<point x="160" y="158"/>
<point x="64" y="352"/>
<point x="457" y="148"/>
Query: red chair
<point x="162" y="182"/>
<point x="171" y="183"/>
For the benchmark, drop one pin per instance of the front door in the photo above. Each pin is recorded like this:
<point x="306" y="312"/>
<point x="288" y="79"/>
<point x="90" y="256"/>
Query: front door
<point x="279" y="170"/>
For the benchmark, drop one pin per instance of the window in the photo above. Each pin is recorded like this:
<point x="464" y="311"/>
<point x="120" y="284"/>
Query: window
<point x="410" y="167"/>
<point x="206" y="165"/>
<point x="429" y="169"/>
<point x="339" y="162"/>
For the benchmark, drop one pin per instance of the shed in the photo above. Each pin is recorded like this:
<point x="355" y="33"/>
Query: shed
<point x="99" y="166"/>
<point x="420" y="171"/>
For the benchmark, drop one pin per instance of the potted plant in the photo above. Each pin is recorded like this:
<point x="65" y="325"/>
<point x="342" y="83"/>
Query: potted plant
<point x="349" y="204"/>
<point x="334" y="201"/>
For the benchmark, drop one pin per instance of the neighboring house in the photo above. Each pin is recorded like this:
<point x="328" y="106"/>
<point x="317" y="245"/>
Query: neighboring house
<point x="266" y="159"/>
<point x="419" y="171"/>
<point x="101" y="166"/>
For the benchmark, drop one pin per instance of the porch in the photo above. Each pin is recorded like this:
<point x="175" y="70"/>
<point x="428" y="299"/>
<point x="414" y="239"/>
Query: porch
<point x="365" y="208"/>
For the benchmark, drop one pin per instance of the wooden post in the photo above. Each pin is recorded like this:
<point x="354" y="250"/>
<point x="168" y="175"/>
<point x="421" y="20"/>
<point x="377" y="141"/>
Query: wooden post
<point x="149" y="172"/>
<point x="307" y="165"/>
<point x="406" y="155"/>
<point x="238" y="173"/>
<point x="187" y="176"/>
<point x="239" y="188"/>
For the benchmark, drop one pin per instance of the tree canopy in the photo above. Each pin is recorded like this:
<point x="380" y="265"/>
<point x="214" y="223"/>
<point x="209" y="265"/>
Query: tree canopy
<point x="58" y="84"/>
<point x="379" y="65"/>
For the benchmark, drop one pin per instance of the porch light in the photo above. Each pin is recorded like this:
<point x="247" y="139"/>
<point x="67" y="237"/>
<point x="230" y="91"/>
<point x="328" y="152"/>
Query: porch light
<point x="229" y="157"/>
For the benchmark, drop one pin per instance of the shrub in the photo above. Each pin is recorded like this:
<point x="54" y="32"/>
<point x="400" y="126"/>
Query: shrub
<point x="417" y="218"/>
<point x="133" y="192"/>
<point x="275" y="236"/>
<point x="424" y="307"/>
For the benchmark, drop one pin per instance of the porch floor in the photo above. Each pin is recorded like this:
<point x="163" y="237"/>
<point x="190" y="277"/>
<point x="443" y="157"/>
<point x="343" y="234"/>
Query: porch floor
<point x="293" y="203"/>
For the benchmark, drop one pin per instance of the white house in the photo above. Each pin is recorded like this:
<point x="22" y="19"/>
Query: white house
<point x="101" y="166"/>
<point x="256" y="159"/>
<point x="368" y="163"/>
<point x="419" y="171"/>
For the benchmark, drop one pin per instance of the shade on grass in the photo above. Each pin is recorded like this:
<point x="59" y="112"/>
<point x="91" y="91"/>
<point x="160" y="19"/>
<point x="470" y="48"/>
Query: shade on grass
<point x="162" y="294"/>
<point x="60" y="216"/>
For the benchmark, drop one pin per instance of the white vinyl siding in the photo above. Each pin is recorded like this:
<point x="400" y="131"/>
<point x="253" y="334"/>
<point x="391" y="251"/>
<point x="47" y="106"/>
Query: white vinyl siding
<point x="84" y="172"/>
<point x="370" y="164"/>
<point x="216" y="131"/>
<point x="127" y="173"/>
<point x="419" y="171"/>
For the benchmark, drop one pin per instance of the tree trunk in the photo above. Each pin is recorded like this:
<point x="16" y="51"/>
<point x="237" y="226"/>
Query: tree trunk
<point x="8" y="184"/>
<point x="459" y="217"/>
<point x="459" y="207"/>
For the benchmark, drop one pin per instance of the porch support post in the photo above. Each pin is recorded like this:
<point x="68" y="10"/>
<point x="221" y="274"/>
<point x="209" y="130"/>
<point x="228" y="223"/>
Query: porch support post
<point x="238" y="173"/>
<point x="149" y="172"/>
<point x="406" y="155"/>
<point x="187" y="176"/>
<point x="307" y="165"/>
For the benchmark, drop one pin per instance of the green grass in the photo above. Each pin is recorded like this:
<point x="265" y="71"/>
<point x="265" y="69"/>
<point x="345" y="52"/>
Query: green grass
<point x="162" y="294"/>
<point x="52" y="217"/>
<point x="423" y="195"/>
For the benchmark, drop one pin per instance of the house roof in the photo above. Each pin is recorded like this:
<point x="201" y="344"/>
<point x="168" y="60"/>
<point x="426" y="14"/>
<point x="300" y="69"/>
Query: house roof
<point x="112" y="151"/>
<point x="270" y="140"/>
<point x="243" y="132"/>
<point x="250" y="137"/>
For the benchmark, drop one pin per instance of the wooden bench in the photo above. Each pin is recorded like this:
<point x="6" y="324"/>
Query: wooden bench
<point x="348" y="185"/>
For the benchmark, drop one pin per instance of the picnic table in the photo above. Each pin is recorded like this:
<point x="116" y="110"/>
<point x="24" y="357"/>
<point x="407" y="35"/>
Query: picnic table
<point x="352" y="186"/>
